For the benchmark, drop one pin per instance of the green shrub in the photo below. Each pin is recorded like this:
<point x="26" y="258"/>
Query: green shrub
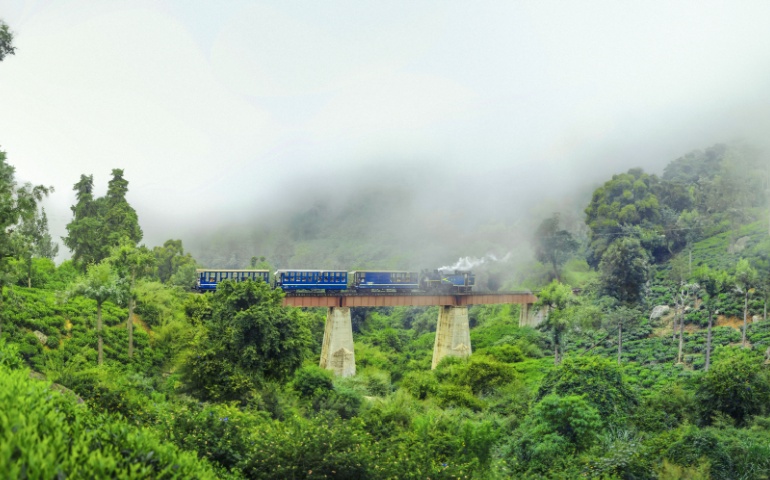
<point x="312" y="381"/>
<point x="420" y="384"/>
<point x="666" y="408"/>
<point x="505" y="353"/>
<point x="599" y="379"/>
<point x="736" y="385"/>
<point x="449" y="395"/>
<point x="45" y="434"/>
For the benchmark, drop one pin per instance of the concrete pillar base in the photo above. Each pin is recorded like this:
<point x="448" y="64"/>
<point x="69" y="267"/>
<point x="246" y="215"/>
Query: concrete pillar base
<point x="528" y="317"/>
<point x="453" y="335"/>
<point x="337" y="350"/>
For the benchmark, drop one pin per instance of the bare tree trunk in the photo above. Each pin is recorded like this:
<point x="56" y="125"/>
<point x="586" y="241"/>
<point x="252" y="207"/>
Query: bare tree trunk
<point x="2" y="297"/>
<point x="130" y="327"/>
<point x="745" y="317"/>
<point x="99" y="331"/>
<point x="708" y="344"/>
<point x="674" y="325"/>
<point x="130" y="321"/>
<point x="620" y="340"/>
<point x="556" y="271"/>
<point x="681" y="337"/>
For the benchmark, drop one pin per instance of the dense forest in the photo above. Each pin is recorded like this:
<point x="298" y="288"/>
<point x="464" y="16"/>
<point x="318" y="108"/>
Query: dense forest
<point x="650" y="359"/>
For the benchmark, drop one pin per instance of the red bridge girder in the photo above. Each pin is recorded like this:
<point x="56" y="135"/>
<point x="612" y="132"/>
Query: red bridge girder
<point x="382" y="300"/>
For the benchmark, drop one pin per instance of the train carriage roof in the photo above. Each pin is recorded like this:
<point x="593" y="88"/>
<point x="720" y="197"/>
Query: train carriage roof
<point x="202" y="270"/>
<point x="382" y="271"/>
<point x="282" y="270"/>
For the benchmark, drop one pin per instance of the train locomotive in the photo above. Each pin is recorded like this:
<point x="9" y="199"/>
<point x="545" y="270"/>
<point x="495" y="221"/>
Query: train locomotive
<point x="374" y="281"/>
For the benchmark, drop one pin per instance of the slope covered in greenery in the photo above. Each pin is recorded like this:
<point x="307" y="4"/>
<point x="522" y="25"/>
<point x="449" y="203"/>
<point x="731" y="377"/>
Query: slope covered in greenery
<point x="649" y="360"/>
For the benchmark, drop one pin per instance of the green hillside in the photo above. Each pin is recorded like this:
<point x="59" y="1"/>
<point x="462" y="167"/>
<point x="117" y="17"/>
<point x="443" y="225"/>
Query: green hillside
<point x="110" y="367"/>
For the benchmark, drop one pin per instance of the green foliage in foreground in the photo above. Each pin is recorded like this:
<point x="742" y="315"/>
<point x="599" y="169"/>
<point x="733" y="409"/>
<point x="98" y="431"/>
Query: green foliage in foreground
<point x="45" y="434"/>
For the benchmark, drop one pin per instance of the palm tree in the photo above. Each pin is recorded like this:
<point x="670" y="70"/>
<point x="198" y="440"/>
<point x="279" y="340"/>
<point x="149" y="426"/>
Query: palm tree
<point x="130" y="263"/>
<point x="622" y="315"/>
<point x="100" y="284"/>
<point x="713" y="283"/>
<point x="555" y="299"/>
<point x="745" y="280"/>
<point x="687" y="292"/>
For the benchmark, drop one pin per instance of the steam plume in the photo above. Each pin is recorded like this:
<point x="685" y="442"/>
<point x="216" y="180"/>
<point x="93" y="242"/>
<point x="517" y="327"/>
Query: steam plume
<point x="469" y="263"/>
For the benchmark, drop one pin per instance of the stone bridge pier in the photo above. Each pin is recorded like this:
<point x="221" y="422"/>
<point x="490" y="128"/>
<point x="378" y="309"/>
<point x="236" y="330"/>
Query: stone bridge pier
<point x="453" y="334"/>
<point x="528" y="317"/>
<point x="337" y="350"/>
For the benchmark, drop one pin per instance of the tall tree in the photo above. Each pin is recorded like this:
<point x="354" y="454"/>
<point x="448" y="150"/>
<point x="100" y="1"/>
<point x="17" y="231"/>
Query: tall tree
<point x="677" y="277"/>
<point x="554" y="246"/>
<point x="131" y="262"/>
<point x="17" y="203"/>
<point x="100" y="225"/>
<point x="170" y="258"/>
<point x="36" y="241"/>
<point x="120" y="220"/>
<point x="746" y="278"/>
<point x="623" y="270"/>
<point x="84" y="231"/>
<point x="626" y="199"/>
<point x="621" y="316"/>
<point x="251" y="337"/>
<point x="100" y="284"/>
<point x="687" y="293"/>
<point x="713" y="283"/>
<point x="555" y="299"/>
<point x="6" y="41"/>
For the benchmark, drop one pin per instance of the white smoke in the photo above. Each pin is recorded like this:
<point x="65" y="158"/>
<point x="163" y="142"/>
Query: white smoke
<point x="469" y="263"/>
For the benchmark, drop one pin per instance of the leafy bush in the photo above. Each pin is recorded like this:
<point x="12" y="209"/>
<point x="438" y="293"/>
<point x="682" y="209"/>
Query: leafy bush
<point x="461" y="396"/>
<point x="45" y="434"/>
<point x="420" y="384"/>
<point x="666" y="408"/>
<point x="736" y="385"/>
<point x="599" y="379"/>
<point x="311" y="381"/>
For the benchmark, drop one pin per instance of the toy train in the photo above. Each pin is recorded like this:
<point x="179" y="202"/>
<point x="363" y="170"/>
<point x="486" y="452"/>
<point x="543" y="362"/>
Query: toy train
<point x="392" y="281"/>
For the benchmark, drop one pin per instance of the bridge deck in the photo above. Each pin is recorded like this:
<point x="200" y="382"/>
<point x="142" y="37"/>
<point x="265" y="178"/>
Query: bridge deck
<point x="405" y="300"/>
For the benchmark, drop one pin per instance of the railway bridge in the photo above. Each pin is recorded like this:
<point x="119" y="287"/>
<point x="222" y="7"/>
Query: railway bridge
<point x="452" y="330"/>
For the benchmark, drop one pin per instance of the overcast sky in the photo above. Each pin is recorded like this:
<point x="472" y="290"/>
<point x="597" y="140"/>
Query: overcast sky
<point x="214" y="107"/>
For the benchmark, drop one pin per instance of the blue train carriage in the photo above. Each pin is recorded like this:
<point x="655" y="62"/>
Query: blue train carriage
<point x="292" y="280"/>
<point x="384" y="280"/>
<point x="209" y="278"/>
<point x="451" y="281"/>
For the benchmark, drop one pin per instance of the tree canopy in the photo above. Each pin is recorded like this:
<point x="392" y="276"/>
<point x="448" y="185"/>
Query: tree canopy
<point x="252" y="338"/>
<point x="6" y="41"/>
<point x="623" y="270"/>
<point x="554" y="246"/>
<point x="101" y="224"/>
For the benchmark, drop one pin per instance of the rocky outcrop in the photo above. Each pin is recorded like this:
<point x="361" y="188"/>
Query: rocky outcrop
<point x="739" y="245"/>
<point x="659" y="311"/>
<point x="42" y="338"/>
